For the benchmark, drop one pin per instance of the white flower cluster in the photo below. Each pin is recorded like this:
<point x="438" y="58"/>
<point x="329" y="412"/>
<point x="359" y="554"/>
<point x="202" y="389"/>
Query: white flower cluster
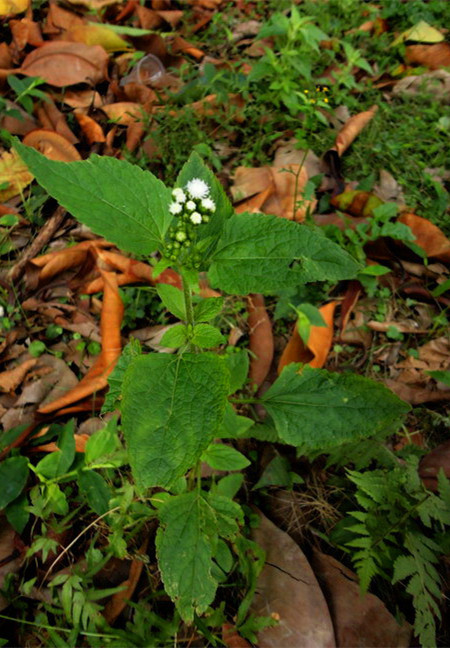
<point x="193" y="204"/>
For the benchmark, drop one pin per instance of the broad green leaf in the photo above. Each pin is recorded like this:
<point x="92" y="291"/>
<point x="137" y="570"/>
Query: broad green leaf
<point x="207" y="309"/>
<point x="184" y="552"/>
<point x="223" y="457"/>
<point x="262" y="253"/>
<point x="116" y="199"/>
<point x="173" y="299"/>
<point x="13" y="477"/>
<point x="237" y="364"/>
<point x="228" y="514"/>
<point x="57" y="463"/>
<point x="441" y="376"/>
<point x="276" y="473"/>
<point x="102" y="443"/>
<point x="17" y="514"/>
<point x="174" y="337"/>
<point x="196" y="168"/>
<point x="234" y="426"/>
<point x="112" y="399"/>
<point x="229" y="485"/>
<point x="317" y="409"/>
<point x="172" y="407"/>
<point x="312" y="313"/>
<point x="96" y="490"/>
<point x="207" y="336"/>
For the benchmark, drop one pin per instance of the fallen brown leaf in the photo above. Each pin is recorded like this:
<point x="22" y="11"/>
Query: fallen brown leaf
<point x="428" y="236"/>
<point x="288" y="589"/>
<point x="431" y="56"/>
<point x="61" y="63"/>
<point x="10" y="558"/>
<point x="96" y="378"/>
<point x="261" y="339"/>
<point x="12" y="378"/>
<point x="91" y="129"/>
<point x="432" y="463"/>
<point x="357" y="620"/>
<point x="352" y="129"/>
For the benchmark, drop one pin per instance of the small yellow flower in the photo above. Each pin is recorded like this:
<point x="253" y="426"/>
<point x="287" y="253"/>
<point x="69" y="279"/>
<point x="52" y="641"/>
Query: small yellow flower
<point x="326" y="99"/>
<point x="313" y="101"/>
<point x="306" y="91"/>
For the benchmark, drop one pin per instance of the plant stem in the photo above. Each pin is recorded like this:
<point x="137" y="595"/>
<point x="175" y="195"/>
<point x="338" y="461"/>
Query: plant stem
<point x="188" y="301"/>
<point x="244" y="400"/>
<point x="297" y="176"/>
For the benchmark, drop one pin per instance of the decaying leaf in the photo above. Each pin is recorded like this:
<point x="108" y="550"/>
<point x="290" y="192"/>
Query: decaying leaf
<point x="430" y="465"/>
<point x="12" y="378"/>
<point x="98" y="35"/>
<point x="357" y="620"/>
<point x="15" y="173"/>
<point x="315" y="353"/>
<point x="437" y="83"/>
<point x="288" y="589"/>
<point x="61" y="63"/>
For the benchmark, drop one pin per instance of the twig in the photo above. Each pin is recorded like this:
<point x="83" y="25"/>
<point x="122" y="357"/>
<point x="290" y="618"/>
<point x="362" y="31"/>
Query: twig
<point x="44" y="236"/>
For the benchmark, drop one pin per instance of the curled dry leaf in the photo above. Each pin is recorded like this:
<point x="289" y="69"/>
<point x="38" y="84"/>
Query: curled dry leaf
<point x="315" y="353"/>
<point x="61" y="63"/>
<point x="53" y="145"/>
<point x="357" y="620"/>
<point x="91" y="129"/>
<point x="352" y="129"/>
<point x="431" y="56"/>
<point x="288" y="589"/>
<point x="55" y="262"/>
<point x="12" y="378"/>
<point x="261" y="339"/>
<point x="80" y="445"/>
<point x="357" y="203"/>
<point x="351" y="297"/>
<point x="428" y="236"/>
<point x="14" y="173"/>
<point x="96" y="378"/>
<point x="51" y="118"/>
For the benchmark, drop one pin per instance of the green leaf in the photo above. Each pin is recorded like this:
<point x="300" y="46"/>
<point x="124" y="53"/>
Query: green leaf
<point x="184" y="552"/>
<point x="172" y="407"/>
<point x="196" y="168"/>
<point x="318" y="409"/>
<point x="312" y="313"/>
<point x="96" y="490"/>
<point x="237" y="364"/>
<point x="262" y="253"/>
<point x="174" y="337"/>
<point x="13" y="477"/>
<point x="130" y="351"/>
<point x="173" y="299"/>
<point x="207" y="309"/>
<point x="17" y="514"/>
<point x="228" y="514"/>
<point x="117" y="200"/>
<point x="441" y="376"/>
<point x="102" y="443"/>
<point x="276" y="473"/>
<point x="235" y="426"/>
<point x="223" y="457"/>
<point x="229" y="485"/>
<point x="57" y="463"/>
<point x="207" y="336"/>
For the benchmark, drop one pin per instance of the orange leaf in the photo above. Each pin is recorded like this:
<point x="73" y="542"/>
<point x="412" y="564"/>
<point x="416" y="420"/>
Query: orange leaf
<point x="61" y="63"/>
<point x="352" y="128"/>
<point x="431" y="56"/>
<point x="119" y="600"/>
<point x="124" y="112"/>
<point x="319" y="343"/>
<point x="261" y="339"/>
<point x="80" y="445"/>
<point x="91" y="129"/>
<point x="12" y="378"/>
<point x="428" y="236"/>
<point x="96" y="377"/>
<point x="53" y="145"/>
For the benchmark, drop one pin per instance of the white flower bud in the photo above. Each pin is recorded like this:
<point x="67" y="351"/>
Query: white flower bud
<point x="190" y="205"/>
<point x="179" y="195"/>
<point x="196" y="218"/>
<point x="175" y="208"/>
<point x="209" y="204"/>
